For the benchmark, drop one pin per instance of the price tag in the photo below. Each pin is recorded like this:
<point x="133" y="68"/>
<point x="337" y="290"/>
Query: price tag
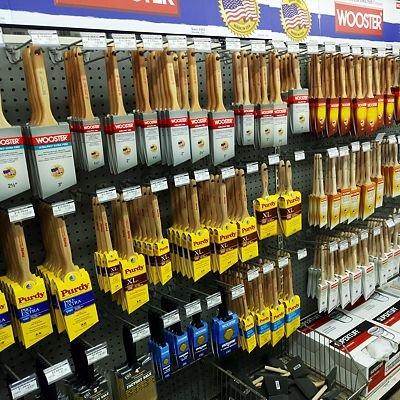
<point x="301" y="254"/>
<point x="131" y="193"/>
<point x="106" y="194"/>
<point x="233" y="44"/>
<point x="192" y="308"/>
<point x="395" y="49"/>
<point x="392" y="139"/>
<point x="140" y="332"/>
<point x="258" y="46"/>
<point x="376" y="231"/>
<point x="152" y="42"/>
<point x="367" y="51"/>
<point x="237" y="291"/>
<point x="366" y="146"/>
<point x="252" y="168"/>
<point x="124" y="41"/>
<point x="202" y="45"/>
<point x="381" y="51"/>
<point x="181" y="179"/>
<point x="312" y="48"/>
<point x="44" y="38"/>
<point x="268" y="267"/>
<point x="355" y="146"/>
<point x="364" y="234"/>
<point x="299" y="155"/>
<point x="213" y="300"/>
<point x="333" y="246"/>
<point x="21" y="213"/>
<point x="279" y="45"/>
<point x="333" y="152"/>
<point x="171" y="318"/>
<point x="253" y="274"/>
<point x="2" y="44"/>
<point x="158" y="185"/>
<point x="398" y="139"/>
<point x="330" y="47"/>
<point x="57" y="372"/>
<point x="273" y="159"/>
<point x="23" y="387"/>
<point x="283" y="262"/>
<point x="227" y="172"/>
<point x="63" y="208"/>
<point x="97" y="353"/>
<point x="344" y="151"/>
<point x="354" y="241"/>
<point x="343" y="245"/>
<point x="293" y="47"/>
<point x="390" y="223"/>
<point x="202" y="175"/>
<point x="396" y="219"/>
<point x="356" y="50"/>
<point x="380" y="136"/>
<point x="177" y="43"/>
<point x="344" y="49"/>
<point x="94" y="40"/>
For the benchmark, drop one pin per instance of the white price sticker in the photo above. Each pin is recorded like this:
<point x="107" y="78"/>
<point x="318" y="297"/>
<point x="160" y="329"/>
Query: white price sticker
<point x="392" y="139"/>
<point x="57" y="372"/>
<point x="192" y="308"/>
<point x="273" y="159"/>
<point x="233" y="44"/>
<point x="258" y="46"/>
<point x="283" y="262"/>
<point x="202" y="45"/>
<point x="343" y="245"/>
<point x="301" y="254"/>
<point x="333" y="246"/>
<point x="396" y="219"/>
<point x="23" y="387"/>
<point x="344" y="49"/>
<point x="202" y="175"/>
<point x="268" y="267"/>
<point x="107" y="194"/>
<point x="21" y="213"/>
<point x="356" y="50"/>
<point x="381" y="51"/>
<point x="330" y="47"/>
<point x="366" y="146"/>
<point x="237" y="291"/>
<point x="97" y="353"/>
<point x="181" y="179"/>
<point x="293" y="47"/>
<point x="395" y="49"/>
<point x="376" y="231"/>
<point x="279" y="45"/>
<point x="253" y="274"/>
<point x="2" y="44"/>
<point x="353" y="241"/>
<point x="124" y="41"/>
<point x="140" y="332"/>
<point x="355" y="146"/>
<point x="390" y="223"/>
<point x="171" y="318"/>
<point x="63" y="208"/>
<point x="131" y="193"/>
<point x="333" y="152"/>
<point x="398" y="139"/>
<point x="380" y="136"/>
<point x="312" y="48"/>
<point x="364" y="234"/>
<point x="213" y="300"/>
<point x="44" y="38"/>
<point x="152" y="42"/>
<point x="158" y="185"/>
<point x="252" y="168"/>
<point x="299" y="155"/>
<point x="94" y="40"/>
<point x="344" y="151"/>
<point x="367" y="51"/>
<point x="228" y="172"/>
<point x="177" y="43"/>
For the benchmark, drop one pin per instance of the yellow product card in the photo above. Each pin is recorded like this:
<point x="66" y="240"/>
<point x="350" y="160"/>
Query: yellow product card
<point x="111" y="260"/>
<point x="367" y="200"/>
<point x="323" y="211"/>
<point x="226" y="247"/>
<point x="134" y="282"/>
<point x="262" y="320"/>
<point x="355" y="204"/>
<point x="345" y="204"/>
<point x="32" y="311"/>
<point x="76" y="302"/>
<point x="248" y="333"/>
<point x="290" y="210"/>
<point x="162" y="258"/>
<point x="380" y="186"/>
<point x="292" y="317"/>
<point x="199" y="251"/>
<point x="266" y="212"/>
<point x="6" y="330"/>
<point x="277" y="323"/>
<point x="334" y="204"/>
<point x="395" y="179"/>
<point x="247" y="239"/>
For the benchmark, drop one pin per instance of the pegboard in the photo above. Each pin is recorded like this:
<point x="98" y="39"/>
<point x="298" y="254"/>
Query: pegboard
<point x="80" y="225"/>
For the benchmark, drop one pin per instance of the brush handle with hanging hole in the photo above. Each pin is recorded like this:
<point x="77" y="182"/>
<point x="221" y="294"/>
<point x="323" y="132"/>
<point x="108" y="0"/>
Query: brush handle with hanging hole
<point x="238" y="77"/>
<point x="264" y="79"/>
<point x="264" y="180"/>
<point x="245" y="78"/>
<point x="183" y="72"/>
<point x="193" y="81"/>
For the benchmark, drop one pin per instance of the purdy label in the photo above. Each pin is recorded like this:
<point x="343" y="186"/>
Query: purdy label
<point x="198" y="122"/>
<point x="358" y="20"/>
<point x="221" y="123"/>
<point x="12" y="141"/>
<point x="50" y="139"/>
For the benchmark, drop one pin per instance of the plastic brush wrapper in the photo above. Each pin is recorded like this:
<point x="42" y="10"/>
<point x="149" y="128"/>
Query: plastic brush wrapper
<point x="147" y="236"/>
<point x="85" y="127"/>
<point x="189" y="240"/>
<point x="391" y="167"/>
<point x="23" y="293"/>
<point x="50" y="155"/>
<point x="318" y="201"/>
<point x="73" y="302"/>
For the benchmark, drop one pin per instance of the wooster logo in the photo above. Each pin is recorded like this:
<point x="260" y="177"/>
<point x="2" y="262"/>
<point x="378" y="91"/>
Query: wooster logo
<point x="358" y="20"/>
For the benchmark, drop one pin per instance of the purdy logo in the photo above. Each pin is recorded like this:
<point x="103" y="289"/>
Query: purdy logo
<point x="130" y="271"/>
<point x="25" y="299"/>
<point x="201" y="242"/>
<point x="295" y="200"/>
<point x="81" y="288"/>
<point x="358" y="20"/>
<point x="40" y="140"/>
<point x="249" y="229"/>
<point x="230" y="236"/>
<point x="11" y="141"/>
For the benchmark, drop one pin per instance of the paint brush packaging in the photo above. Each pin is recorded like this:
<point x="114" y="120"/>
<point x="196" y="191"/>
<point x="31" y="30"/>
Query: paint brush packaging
<point x="6" y="330"/>
<point x="199" y="135"/>
<point x="299" y="114"/>
<point x="264" y="126"/>
<point x="148" y="138"/>
<point x="266" y="212"/>
<point x="225" y="334"/>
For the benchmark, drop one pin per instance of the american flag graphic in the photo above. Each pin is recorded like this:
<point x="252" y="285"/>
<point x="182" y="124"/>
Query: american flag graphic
<point x="294" y="16"/>
<point x="240" y="9"/>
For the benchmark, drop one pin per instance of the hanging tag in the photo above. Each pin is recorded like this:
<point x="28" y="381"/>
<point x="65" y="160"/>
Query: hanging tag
<point x="21" y="213"/>
<point x="94" y="40"/>
<point x="181" y="179"/>
<point x="312" y="48"/>
<point x="233" y="44"/>
<point x="152" y="42"/>
<point x="228" y="172"/>
<point x="57" y="372"/>
<point x="355" y="146"/>
<point x="279" y="45"/>
<point x="293" y="47"/>
<point x="97" y="353"/>
<point x="177" y="43"/>
<point x="343" y="245"/>
<point x="107" y="194"/>
<point x="237" y="291"/>
<point x="330" y="47"/>
<point x="258" y="46"/>
<point x="283" y="262"/>
<point x="171" y="318"/>
<point x="390" y="223"/>
<point x="367" y="51"/>
<point x="192" y="308"/>
<point x="63" y="208"/>
<point x="213" y="300"/>
<point x="396" y="220"/>
<point x="344" y="49"/>
<point x="44" y="38"/>
<point x="140" y="332"/>
<point x="344" y="151"/>
<point x="364" y="234"/>
<point x="392" y="139"/>
<point x="253" y="274"/>
<point x="333" y="246"/>
<point x="333" y="152"/>
<point x="366" y="146"/>
<point x="273" y="159"/>
<point x="301" y="254"/>
<point x="381" y="51"/>
<point x="376" y="231"/>
<point x="356" y="50"/>
<point x="23" y="387"/>
<point x="202" y="45"/>
<point x="131" y="193"/>
<point x="299" y="155"/>
<point x="202" y="175"/>
<point x="124" y="41"/>
<point x="268" y="267"/>
<point x="380" y="136"/>
<point x="395" y="49"/>
<point x="158" y="185"/>
<point x="252" y="168"/>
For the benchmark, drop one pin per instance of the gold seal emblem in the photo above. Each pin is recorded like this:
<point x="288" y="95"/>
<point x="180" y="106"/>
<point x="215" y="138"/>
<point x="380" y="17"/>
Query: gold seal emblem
<point x="296" y="19"/>
<point x="240" y="16"/>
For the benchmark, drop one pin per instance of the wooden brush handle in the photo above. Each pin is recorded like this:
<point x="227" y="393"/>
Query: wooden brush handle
<point x="277" y="80"/>
<point x="31" y="87"/>
<point x="223" y="200"/>
<point x="290" y="279"/>
<point x="282" y="177"/>
<point x="264" y="79"/>
<point x="245" y="77"/>
<point x="116" y="80"/>
<point x="367" y="167"/>
<point x="243" y="194"/>
<point x="359" y="84"/>
<point x="321" y="176"/>
<point x="271" y="83"/>
<point x="351" y="74"/>
<point x="171" y="81"/>
<point x="296" y="70"/>
<point x="370" y="93"/>
<point x="274" y="288"/>
<point x="257" y="79"/>
<point x="195" y="204"/>
<point x="219" y="107"/>
<point x="193" y="81"/>
<point x="318" y="83"/>
<point x="264" y="180"/>
<point x="183" y="72"/>
<point x="289" y="176"/>
<point x="238" y="77"/>
<point x="144" y="84"/>
<point x="333" y="177"/>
